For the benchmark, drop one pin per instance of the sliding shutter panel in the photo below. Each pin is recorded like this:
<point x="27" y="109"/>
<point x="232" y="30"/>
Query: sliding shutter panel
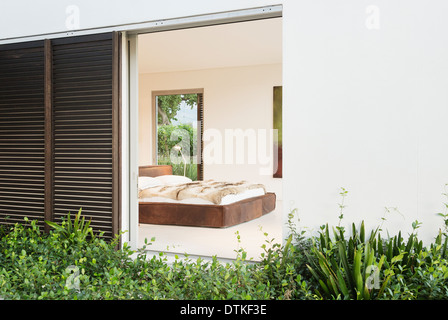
<point x="22" y="132"/>
<point x="59" y="131"/>
<point x="85" y="93"/>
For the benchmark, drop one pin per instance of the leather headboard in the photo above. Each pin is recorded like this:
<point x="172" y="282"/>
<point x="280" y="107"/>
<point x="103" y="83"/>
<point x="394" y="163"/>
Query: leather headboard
<point x="154" y="170"/>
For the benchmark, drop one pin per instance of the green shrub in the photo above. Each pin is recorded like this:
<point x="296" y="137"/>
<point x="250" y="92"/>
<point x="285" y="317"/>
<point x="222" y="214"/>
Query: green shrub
<point x="166" y="141"/>
<point x="361" y="267"/>
<point x="423" y="276"/>
<point x="71" y="262"/>
<point x="284" y="266"/>
<point x="35" y="265"/>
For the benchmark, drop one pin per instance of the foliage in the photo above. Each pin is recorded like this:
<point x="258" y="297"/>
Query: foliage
<point x="169" y="105"/>
<point x="36" y="265"/>
<point x="78" y="230"/>
<point x="361" y="267"/>
<point x="350" y="268"/>
<point x="182" y="135"/>
<point x="190" y="170"/>
<point x="284" y="266"/>
<point x="444" y="214"/>
<point x="170" y="136"/>
<point x="71" y="262"/>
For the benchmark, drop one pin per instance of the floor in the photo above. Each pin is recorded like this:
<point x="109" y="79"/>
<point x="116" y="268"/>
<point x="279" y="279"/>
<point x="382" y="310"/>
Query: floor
<point x="208" y="242"/>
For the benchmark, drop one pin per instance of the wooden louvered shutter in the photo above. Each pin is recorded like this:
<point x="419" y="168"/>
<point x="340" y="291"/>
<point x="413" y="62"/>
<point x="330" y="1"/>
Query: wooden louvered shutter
<point x="22" y="132"/>
<point x="200" y="136"/>
<point x="59" y="130"/>
<point x="85" y="129"/>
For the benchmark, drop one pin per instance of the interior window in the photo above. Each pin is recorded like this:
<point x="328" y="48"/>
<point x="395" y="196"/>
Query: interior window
<point x="179" y="118"/>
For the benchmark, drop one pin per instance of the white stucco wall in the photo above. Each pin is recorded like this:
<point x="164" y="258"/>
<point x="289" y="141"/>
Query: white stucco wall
<point x="28" y="17"/>
<point x="365" y="109"/>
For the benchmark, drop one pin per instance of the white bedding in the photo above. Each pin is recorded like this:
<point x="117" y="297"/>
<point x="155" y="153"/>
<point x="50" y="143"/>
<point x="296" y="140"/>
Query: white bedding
<point x="228" y="199"/>
<point x="145" y="182"/>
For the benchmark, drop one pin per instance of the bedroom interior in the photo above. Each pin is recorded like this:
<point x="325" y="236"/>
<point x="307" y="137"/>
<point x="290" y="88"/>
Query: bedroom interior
<point x="236" y="67"/>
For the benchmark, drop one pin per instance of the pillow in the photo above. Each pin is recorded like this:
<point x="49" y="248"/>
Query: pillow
<point x="148" y="182"/>
<point x="172" y="179"/>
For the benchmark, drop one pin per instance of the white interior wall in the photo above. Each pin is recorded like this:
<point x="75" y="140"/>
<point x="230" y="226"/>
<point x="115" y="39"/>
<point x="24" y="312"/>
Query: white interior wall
<point x="234" y="98"/>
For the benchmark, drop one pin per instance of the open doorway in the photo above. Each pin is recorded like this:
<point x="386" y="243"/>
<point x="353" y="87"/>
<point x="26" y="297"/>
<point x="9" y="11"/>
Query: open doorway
<point x="217" y="84"/>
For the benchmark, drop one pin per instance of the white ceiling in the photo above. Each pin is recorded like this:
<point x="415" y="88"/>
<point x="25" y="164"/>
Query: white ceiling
<point x="229" y="45"/>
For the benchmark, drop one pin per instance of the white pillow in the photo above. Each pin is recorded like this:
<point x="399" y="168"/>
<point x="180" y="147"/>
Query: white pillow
<point x="172" y="179"/>
<point x="148" y="182"/>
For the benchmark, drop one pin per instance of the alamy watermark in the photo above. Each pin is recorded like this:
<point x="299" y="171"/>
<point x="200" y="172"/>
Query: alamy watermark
<point x="72" y="20"/>
<point x="229" y="146"/>
<point x="73" y="281"/>
<point x="373" y="277"/>
<point x="372" y="21"/>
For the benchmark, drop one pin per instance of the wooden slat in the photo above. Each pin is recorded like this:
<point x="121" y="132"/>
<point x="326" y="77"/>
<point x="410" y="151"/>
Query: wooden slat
<point x="83" y="126"/>
<point x="200" y="150"/>
<point x="22" y="158"/>
<point x="49" y="137"/>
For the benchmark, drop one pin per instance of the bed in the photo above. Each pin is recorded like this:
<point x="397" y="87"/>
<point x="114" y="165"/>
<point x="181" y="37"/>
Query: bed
<point x="158" y="206"/>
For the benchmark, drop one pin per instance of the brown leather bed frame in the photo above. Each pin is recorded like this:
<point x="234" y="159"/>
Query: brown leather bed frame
<point x="216" y="216"/>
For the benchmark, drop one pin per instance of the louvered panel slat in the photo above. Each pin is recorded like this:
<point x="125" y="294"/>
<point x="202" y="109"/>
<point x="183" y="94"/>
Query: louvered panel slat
<point x="82" y="115"/>
<point x="22" y="118"/>
<point x="200" y="166"/>
<point x="82" y="46"/>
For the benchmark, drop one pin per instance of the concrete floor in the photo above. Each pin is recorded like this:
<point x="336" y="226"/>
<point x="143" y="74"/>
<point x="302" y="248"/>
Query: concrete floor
<point x="208" y="242"/>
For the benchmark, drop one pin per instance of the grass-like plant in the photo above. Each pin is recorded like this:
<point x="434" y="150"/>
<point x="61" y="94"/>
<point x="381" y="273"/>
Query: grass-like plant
<point x="369" y="267"/>
<point x="78" y="229"/>
<point x="348" y="268"/>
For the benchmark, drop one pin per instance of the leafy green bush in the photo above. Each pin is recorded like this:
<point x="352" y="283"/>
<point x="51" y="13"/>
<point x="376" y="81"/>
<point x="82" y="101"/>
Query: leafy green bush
<point x="284" y="266"/>
<point x="35" y="265"/>
<point x="171" y="135"/>
<point x="70" y="262"/>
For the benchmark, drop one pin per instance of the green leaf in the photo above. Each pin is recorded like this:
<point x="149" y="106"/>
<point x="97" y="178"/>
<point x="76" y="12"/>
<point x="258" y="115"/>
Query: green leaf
<point x="342" y="284"/>
<point x="362" y="233"/>
<point x="380" y="245"/>
<point x="389" y="252"/>
<point x="334" y="286"/>
<point x="324" y="287"/>
<point x="357" y="272"/>
<point x="344" y="260"/>
<point x="313" y="272"/>
<point x="381" y="262"/>
<point x="397" y="258"/>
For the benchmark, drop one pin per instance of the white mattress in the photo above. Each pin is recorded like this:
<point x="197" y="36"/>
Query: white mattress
<point x="228" y="199"/>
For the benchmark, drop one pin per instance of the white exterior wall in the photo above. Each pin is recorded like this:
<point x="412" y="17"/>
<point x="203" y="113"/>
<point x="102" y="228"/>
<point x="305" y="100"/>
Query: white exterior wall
<point x="363" y="109"/>
<point x="366" y="109"/>
<point x="27" y="17"/>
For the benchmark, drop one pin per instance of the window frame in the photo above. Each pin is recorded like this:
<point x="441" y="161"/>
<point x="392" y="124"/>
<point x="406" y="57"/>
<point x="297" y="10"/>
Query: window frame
<point x="200" y="117"/>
